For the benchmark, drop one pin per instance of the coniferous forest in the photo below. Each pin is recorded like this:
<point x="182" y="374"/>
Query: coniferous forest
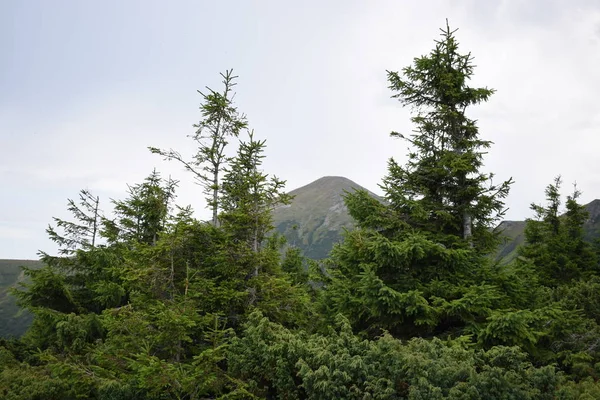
<point x="148" y="302"/>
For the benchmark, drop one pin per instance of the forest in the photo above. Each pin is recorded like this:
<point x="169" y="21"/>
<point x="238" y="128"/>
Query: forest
<point x="148" y="302"/>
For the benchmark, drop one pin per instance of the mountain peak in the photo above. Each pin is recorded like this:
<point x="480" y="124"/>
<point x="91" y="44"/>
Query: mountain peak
<point x="336" y="183"/>
<point x="317" y="215"/>
<point x="594" y="209"/>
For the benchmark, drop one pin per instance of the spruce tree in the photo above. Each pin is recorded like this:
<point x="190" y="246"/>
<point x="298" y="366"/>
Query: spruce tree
<point x="555" y="243"/>
<point x="81" y="233"/>
<point x="143" y="215"/>
<point x="416" y="264"/>
<point x="220" y="120"/>
<point x="250" y="196"/>
<point x="441" y="189"/>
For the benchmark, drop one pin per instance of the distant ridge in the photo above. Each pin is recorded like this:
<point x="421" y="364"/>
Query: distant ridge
<point x="316" y="219"/>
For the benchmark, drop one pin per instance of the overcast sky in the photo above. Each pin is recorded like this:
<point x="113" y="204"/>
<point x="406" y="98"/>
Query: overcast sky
<point x="86" y="86"/>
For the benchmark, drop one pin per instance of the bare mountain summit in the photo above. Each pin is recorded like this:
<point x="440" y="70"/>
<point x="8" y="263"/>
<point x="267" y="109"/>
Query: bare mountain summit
<point x="317" y="216"/>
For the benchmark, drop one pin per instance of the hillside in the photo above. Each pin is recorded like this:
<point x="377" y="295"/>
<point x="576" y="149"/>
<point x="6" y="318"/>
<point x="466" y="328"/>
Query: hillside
<point x="513" y="233"/>
<point x="317" y="216"/>
<point x="13" y="322"/>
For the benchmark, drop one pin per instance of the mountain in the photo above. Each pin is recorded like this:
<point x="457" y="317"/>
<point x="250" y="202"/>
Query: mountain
<point x="514" y="232"/>
<point x="317" y="216"/>
<point x="13" y="321"/>
<point x="592" y="225"/>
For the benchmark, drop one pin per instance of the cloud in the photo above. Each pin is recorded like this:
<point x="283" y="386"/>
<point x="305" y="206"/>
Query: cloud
<point x="12" y="232"/>
<point x="312" y="81"/>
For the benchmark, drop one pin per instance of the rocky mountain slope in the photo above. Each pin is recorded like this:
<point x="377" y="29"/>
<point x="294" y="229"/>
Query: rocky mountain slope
<point x="317" y="216"/>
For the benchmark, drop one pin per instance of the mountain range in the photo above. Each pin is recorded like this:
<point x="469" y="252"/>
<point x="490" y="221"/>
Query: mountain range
<point x="314" y="221"/>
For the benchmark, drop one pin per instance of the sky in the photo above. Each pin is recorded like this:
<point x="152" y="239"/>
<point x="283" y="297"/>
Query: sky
<point x="86" y="87"/>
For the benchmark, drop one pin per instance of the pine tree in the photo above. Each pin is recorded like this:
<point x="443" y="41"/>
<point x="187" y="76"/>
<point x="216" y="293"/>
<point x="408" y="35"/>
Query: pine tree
<point x="555" y="243"/>
<point x="220" y="120"/>
<point x="143" y="215"/>
<point x="416" y="264"/>
<point x="441" y="189"/>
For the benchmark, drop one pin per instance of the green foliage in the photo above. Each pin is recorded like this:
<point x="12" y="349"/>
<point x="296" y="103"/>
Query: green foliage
<point x="416" y="264"/>
<point x="295" y="265"/>
<point x="555" y="244"/>
<point x="249" y="196"/>
<point x="81" y="233"/>
<point x="142" y="216"/>
<point x="155" y="304"/>
<point x="441" y="189"/>
<point x="220" y="120"/>
<point x="280" y="364"/>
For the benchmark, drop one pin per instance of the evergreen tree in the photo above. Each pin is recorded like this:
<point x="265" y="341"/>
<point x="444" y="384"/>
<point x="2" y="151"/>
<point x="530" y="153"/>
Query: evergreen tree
<point x="82" y="233"/>
<point x="416" y="265"/>
<point x="555" y="243"/>
<point x="220" y="120"/>
<point x="143" y="215"/>
<point x="249" y="196"/>
<point x="442" y="189"/>
<point x="66" y="294"/>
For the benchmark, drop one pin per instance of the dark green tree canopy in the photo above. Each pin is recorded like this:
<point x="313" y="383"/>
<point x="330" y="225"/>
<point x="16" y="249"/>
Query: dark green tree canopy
<point x="441" y="189"/>
<point x="555" y="243"/>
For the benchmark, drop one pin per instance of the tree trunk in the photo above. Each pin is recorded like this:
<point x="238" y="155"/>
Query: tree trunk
<point x="95" y="229"/>
<point x="215" y="205"/>
<point x="468" y="227"/>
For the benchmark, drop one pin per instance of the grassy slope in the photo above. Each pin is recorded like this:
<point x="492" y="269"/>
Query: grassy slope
<point x="513" y="237"/>
<point x="13" y="322"/>
<point x="317" y="216"/>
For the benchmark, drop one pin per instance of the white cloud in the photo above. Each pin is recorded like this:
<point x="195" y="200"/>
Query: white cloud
<point x="313" y="83"/>
<point x="11" y="232"/>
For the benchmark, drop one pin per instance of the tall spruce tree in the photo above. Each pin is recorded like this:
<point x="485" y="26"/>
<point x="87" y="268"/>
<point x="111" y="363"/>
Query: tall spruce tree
<point x="220" y="120"/>
<point x="249" y="195"/>
<point x="441" y="189"/>
<point x="415" y="265"/>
